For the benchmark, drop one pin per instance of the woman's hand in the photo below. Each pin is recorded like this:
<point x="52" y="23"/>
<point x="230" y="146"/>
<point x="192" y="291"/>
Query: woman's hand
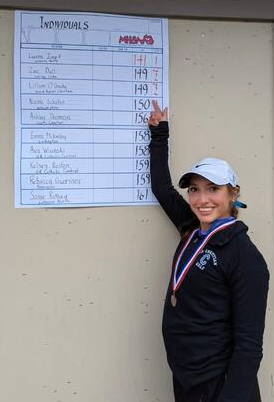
<point x="157" y="114"/>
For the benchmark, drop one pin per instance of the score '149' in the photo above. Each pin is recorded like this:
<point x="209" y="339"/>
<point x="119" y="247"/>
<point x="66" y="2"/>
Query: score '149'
<point x="141" y="74"/>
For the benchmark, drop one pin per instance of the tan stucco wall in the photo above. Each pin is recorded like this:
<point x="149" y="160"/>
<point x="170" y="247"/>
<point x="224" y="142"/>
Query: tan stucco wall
<point x="81" y="290"/>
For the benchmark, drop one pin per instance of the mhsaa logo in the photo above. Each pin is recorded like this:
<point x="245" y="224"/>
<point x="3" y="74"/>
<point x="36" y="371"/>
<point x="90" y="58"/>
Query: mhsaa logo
<point x="135" y="40"/>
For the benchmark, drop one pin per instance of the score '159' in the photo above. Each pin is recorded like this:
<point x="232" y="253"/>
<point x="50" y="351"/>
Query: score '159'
<point x="143" y="179"/>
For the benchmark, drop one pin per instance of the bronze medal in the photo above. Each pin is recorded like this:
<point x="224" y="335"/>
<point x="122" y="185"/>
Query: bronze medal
<point x="173" y="300"/>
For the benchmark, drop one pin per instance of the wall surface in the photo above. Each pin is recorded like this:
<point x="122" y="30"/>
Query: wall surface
<point x="82" y="290"/>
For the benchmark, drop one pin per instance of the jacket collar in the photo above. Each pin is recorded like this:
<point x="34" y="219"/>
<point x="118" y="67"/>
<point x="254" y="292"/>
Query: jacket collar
<point x="215" y="224"/>
<point x="227" y="234"/>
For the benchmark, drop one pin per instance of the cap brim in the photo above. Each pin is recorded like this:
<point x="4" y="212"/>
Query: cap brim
<point x="184" y="180"/>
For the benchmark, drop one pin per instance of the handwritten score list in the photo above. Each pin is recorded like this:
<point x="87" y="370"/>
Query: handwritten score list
<point x="83" y="90"/>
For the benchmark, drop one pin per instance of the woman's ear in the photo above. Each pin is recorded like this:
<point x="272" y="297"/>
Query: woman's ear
<point x="235" y="193"/>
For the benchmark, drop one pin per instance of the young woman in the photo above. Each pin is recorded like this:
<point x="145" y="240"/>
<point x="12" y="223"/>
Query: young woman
<point x="214" y="313"/>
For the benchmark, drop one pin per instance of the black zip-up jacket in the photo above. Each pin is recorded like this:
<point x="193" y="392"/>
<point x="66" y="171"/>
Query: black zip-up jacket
<point x="217" y="325"/>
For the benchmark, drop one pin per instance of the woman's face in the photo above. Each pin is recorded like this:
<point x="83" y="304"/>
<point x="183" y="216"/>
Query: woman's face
<point x="209" y="201"/>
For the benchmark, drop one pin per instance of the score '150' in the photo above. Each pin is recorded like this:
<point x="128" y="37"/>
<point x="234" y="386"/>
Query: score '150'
<point x="141" y="104"/>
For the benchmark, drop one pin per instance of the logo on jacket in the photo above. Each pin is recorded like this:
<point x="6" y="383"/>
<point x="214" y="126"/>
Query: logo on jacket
<point x="205" y="256"/>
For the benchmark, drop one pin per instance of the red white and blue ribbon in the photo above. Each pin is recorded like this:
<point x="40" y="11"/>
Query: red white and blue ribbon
<point x="177" y="281"/>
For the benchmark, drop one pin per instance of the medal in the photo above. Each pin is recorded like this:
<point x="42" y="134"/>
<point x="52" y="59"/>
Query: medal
<point x="173" y="300"/>
<point x="177" y="281"/>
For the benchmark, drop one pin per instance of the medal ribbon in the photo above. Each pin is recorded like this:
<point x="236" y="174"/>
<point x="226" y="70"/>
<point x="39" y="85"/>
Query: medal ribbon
<point x="177" y="282"/>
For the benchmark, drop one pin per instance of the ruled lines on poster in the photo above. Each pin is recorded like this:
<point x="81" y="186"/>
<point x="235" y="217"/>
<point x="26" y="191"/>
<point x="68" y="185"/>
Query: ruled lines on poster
<point x="83" y="90"/>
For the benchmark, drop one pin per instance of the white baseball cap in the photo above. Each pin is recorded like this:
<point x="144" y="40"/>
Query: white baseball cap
<point x="215" y="170"/>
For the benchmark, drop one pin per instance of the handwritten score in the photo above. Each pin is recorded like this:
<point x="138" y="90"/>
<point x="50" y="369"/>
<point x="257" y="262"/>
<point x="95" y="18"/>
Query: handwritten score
<point x="83" y="90"/>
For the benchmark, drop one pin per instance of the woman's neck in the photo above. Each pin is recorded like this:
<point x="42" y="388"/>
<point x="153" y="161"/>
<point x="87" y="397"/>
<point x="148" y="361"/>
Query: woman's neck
<point x="206" y="227"/>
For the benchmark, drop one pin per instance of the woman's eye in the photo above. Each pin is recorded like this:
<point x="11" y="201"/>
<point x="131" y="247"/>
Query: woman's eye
<point x="213" y="189"/>
<point x="192" y="189"/>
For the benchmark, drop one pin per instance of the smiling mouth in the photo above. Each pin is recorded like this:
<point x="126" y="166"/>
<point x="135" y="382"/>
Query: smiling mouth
<point x="206" y="209"/>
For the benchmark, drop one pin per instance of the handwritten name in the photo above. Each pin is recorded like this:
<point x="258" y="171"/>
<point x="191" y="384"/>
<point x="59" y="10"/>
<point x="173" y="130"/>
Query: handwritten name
<point x="49" y="183"/>
<point x="52" y="198"/>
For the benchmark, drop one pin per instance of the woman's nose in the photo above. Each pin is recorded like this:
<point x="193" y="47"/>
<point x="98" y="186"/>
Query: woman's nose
<point x="203" y="197"/>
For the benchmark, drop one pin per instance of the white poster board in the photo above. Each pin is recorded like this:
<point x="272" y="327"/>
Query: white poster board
<point x="83" y="89"/>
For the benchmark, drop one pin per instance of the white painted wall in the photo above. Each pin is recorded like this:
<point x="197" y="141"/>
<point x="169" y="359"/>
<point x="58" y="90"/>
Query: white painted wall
<point x="81" y="290"/>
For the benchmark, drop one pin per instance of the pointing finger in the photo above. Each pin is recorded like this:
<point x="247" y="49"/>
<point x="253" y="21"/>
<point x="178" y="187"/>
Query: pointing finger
<point x="164" y="114"/>
<point x="156" y="106"/>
